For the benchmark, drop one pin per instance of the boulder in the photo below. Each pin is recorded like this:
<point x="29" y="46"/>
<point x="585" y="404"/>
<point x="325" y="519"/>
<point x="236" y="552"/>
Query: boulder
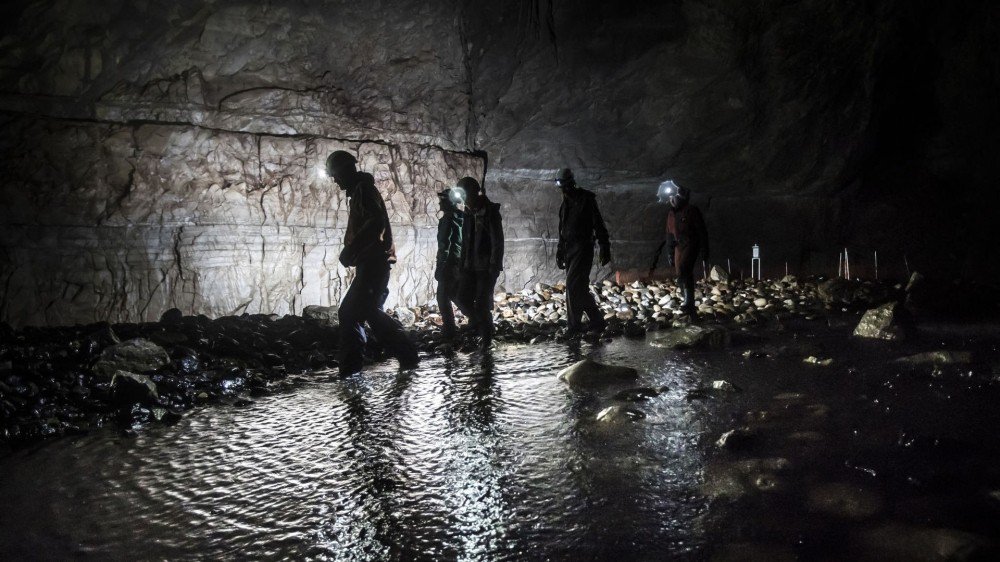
<point x="130" y="388"/>
<point x="692" y="337"/>
<point x="132" y="356"/>
<point x="325" y="315"/>
<point x="880" y="323"/>
<point x="591" y="373"/>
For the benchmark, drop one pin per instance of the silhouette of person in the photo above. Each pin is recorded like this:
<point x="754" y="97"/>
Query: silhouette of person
<point x="368" y="247"/>
<point x="580" y="224"/>
<point x="686" y="238"/>
<point x="449" y="256"/>
<point x="482" y="258"/>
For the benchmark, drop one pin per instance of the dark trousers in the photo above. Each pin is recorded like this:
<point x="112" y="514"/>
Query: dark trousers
<point x="447" y="293"/>
<point x="363" y="303"/>
<point x="476" y="294"/>
<point x="685" y="280"/>
<point x="579" y="301"/>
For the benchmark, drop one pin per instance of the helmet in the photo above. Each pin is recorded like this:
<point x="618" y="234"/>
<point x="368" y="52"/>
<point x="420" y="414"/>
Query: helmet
<point x="469" y="186"/>
<point x="669" y="190"/>
<point x="565" y="178"/>
<point x="452" y="197"/>
<point x="339" y="160"/>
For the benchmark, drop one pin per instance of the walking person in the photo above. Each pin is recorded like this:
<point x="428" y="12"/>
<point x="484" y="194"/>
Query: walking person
<point x="482" y="259"/>
<point x="686" y="238"/>
<point x="368" y="248"/>
<point x="580" y="225"/>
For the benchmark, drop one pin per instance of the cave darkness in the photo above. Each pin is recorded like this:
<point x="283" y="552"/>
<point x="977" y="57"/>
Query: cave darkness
<point x="170" y="289"/>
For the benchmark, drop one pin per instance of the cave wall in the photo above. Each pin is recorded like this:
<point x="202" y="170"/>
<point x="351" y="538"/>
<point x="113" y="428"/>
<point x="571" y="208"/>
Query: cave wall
<point x="166" y="154"/>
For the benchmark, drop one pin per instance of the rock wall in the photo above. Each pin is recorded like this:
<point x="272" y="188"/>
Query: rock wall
<point x="125" y="221"/>
<point x="165" y="154"/>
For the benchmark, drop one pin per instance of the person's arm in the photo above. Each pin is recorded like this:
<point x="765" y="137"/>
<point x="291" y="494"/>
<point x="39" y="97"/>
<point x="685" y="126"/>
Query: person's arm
<point x="444" y="240"/>
<point x="601" y="231"/>
<point x="496" y="242"/>
<point x="368" y="232"/>
<point x="561" y="244"/>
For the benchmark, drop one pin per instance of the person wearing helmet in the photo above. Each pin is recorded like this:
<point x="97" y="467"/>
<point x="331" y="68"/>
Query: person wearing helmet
<point x="368" y="248"/>
<point x="686" y="238"/>
<point x="580" y="224"/>
<point x="449" y="255"/>
<point x="482" y="258"/>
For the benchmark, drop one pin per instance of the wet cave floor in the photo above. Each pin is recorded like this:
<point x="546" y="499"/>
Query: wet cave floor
<point x="473" y="457"/>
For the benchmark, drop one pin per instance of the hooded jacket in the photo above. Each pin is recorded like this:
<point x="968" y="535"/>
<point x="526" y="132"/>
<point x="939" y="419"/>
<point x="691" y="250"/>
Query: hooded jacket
<point x="482" y="238"/>
<point x="580" y="221"/>
<point x="687" y="235"/>
<point x="368" y="236"/>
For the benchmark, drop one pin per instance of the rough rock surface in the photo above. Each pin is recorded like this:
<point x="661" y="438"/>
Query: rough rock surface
<point x="590" y="373"/>
<point x="699" y="337"/>
<point x="160" y="155"/>
<point x="134" y="356"/>
<point x="880" y="323"/>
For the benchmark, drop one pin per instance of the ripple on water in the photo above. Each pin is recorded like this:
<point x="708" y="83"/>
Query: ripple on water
<point x="460" y="459"/>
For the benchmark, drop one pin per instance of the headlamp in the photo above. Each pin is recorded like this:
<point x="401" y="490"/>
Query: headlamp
<point x="456" y="195"/>
<point x="667" y="190"/>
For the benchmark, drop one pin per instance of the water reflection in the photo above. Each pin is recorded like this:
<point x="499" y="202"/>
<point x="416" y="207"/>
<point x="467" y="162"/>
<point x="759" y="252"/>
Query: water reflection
<point x="469" y="457"/>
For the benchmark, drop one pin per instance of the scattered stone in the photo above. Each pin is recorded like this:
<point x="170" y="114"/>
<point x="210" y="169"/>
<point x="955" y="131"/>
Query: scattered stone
<point x="618" y="414"/>
<point x="813" y="360"/>
<point x="735" y="439"/>
<point x="133" y="356"/>
<point x="880" y="323"/>
<point x="937" y="358"/>
<point x="718" y="274"/>
<point x="591" y="373"/>
<point x="406" y="316"/>
<point x="725" y="386"/>
<point x="739" y="478"/>
<point x="692" y="337"/>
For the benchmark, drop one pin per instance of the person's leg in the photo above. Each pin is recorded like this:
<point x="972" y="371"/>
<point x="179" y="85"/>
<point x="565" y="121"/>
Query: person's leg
<point x="445" y="294"/>
<point x="466" y="297"/>
<point x="584" y="302"/>
<point x="686" y="282"/>
<point x="485" y="284"/>
<point x="577" y="278"/>
<point x="389" y="332"/>
<point x="351" y="314"/>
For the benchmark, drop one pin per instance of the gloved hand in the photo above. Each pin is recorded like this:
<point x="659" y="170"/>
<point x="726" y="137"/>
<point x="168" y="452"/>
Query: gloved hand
<point x="604" y="256"/>
<point x="670" y="259"/>
<point x="437" y="272"/>
<point x="560" y="260"/>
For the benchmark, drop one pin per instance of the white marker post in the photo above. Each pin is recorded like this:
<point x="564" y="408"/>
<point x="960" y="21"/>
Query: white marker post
<point x="755" y="261"/>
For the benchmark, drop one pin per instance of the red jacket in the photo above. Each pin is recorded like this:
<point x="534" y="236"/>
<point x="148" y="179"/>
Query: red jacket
<point x="687" y="235"/>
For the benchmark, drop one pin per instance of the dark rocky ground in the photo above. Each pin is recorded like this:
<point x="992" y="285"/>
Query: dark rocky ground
<point x="63" y="380"/>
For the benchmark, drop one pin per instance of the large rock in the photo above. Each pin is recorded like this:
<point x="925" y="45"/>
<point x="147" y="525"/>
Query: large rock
<point x="591" y="373"/>
<point x="325" y="315"/>
<point x="131" y="388"/>
<point x="132" y="356"/>
<point x="881" y="323"/>
<point x="692" y="337"/>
